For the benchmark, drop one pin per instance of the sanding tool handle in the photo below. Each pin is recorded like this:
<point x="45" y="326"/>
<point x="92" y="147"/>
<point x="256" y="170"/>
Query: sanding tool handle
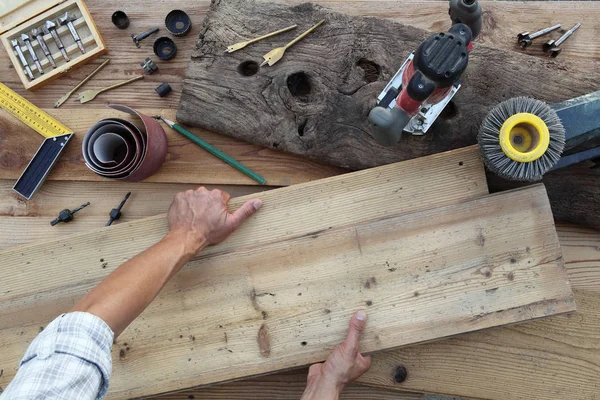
<point x="467" y="12"/>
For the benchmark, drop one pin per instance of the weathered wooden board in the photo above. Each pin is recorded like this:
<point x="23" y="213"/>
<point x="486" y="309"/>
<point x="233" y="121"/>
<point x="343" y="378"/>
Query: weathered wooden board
<point x="185" y="163"/>
<point x="315" y="101"/>
<point x="548" y="359"/>
<point x="478" y="368"/>
<point x="574" y="193"/>
<point x="455" y="269"/>
<point x="284" y="386"/>
<point x="466" y="259"/>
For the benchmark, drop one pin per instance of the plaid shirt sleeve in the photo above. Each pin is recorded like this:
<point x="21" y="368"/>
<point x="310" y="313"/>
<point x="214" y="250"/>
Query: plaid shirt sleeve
<point x="70" y="359"/>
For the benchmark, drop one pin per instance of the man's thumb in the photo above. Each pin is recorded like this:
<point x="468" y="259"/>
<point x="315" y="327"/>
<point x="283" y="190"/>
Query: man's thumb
<point x="244" y="212"/>
<point x="357" y="325"/>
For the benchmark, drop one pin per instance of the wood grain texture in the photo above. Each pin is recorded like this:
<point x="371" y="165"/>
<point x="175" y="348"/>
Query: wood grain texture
<point x="185" y="162"/>
<point x="553" y="358"/>
<point x="465" y="267"/>
<point x="454" y="181"/>
<point x="574" y="193"/>
<point x="326" y="120"/>
<point x="283" y="386"/>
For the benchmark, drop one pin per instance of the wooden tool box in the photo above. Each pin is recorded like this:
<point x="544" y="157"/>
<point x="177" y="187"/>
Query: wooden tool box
<point x="21" y="16"/>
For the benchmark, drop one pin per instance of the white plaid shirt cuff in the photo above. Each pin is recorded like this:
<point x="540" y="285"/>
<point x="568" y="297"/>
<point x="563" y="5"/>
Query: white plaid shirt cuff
<point x="70" y="359"/>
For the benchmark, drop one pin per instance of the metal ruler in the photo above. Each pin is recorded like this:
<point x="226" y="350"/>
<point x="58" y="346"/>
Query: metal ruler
<point x="30" y="115"/>
<point x="56" y="136"/>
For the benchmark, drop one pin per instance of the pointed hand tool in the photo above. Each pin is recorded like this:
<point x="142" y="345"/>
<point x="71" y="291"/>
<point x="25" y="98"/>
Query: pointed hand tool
<point x="241" y="45"/>
<point x="66" y="96"/>
<point x="275" y="55"/>
<point x="91" y="94"/>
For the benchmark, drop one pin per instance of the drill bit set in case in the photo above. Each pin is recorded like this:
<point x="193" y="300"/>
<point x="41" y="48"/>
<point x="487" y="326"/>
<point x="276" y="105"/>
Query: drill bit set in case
<point x="45" y="39"/>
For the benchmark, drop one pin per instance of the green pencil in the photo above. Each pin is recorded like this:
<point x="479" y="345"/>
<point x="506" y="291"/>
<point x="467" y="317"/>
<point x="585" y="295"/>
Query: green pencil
<point x="214" y="151"/>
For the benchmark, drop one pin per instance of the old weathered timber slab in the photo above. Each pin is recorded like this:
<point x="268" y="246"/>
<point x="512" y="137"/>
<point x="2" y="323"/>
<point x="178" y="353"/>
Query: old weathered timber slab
<point x="314" y="102"/>
<point x="255" y="277"/>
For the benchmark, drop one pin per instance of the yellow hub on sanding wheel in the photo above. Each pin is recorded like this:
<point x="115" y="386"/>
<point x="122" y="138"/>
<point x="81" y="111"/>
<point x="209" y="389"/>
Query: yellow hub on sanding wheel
<point x="524" y="137"/>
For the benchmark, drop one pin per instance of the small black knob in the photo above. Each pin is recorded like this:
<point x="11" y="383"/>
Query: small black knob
<point x="400" y="374"/>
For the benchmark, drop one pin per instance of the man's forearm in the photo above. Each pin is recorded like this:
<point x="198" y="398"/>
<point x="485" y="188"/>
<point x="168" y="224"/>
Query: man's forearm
<point x="129" y="289"/>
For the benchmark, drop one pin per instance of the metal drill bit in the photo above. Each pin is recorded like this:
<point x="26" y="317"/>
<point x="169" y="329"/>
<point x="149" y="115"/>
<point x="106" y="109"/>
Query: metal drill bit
<point x="50" y="27"/>
<point x="25" y="38"/>
<point x="17" y="47"/>
<point x="39" y="36"/>
<point x="551" y="46"/>
<point x="68" y="21"/>
<point x="525" y="38"/>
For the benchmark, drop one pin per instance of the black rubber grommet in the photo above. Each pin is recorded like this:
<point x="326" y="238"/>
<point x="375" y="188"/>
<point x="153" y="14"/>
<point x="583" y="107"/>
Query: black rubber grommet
<point x="120" y="19"/>
<point x="163" y="90"/>
<point x="178" y="22"/>
<point x="165" y="48"/>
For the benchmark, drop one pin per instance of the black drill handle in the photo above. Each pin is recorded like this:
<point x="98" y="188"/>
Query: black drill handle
<point x="466" y="12"/>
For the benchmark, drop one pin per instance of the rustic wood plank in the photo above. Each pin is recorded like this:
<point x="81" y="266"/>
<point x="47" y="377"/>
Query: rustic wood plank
<point x="551" y="358"/>
<point x="326" y="119"/>
<point x="185" y="163"/>
<point x="283" y="386"/>
<point x="331" y="239"/>
<point x="582" y="259"/>
<point x="496" y="264"/>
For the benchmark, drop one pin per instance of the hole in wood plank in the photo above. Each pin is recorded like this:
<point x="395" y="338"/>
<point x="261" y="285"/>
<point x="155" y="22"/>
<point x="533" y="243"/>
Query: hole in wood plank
<point x="248" y="68"/>
<point x="299" y="84"/>
<point x="371" y="70"/>
<point x="301" y="128"/>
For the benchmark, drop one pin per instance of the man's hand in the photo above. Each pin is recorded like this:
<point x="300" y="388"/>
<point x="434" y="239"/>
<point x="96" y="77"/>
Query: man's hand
<point x="200" y="217"/>
<point x="327" y="380"/>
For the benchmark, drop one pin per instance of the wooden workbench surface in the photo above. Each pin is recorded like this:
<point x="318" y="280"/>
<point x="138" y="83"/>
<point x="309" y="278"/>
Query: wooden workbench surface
<point x="24" y="222"/>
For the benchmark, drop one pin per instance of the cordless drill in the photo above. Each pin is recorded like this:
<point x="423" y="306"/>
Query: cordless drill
<point x="428" y="79"/>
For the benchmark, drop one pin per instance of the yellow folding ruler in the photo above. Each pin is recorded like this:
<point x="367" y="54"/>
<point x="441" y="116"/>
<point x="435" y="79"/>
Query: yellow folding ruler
<point x="56" y="137"/>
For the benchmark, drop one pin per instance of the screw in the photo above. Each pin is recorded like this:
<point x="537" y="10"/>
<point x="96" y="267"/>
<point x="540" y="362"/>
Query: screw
<point x="400" y="374"/>
<point x="137" y="39"/>
<point x="68" y="20"/>
<point x="525" y="38"/>
<point x="50" y="27"/>
<point x="39" y="35"/>
<point x="551" y="46"/>
<point x="17" y="47"/>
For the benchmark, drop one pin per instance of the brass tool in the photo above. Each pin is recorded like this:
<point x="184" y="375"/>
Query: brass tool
<point x="66" y="96"/>
<point x="91" y="94"/>
<point x="275" y="55"/>
<point x="241" y="45"/>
